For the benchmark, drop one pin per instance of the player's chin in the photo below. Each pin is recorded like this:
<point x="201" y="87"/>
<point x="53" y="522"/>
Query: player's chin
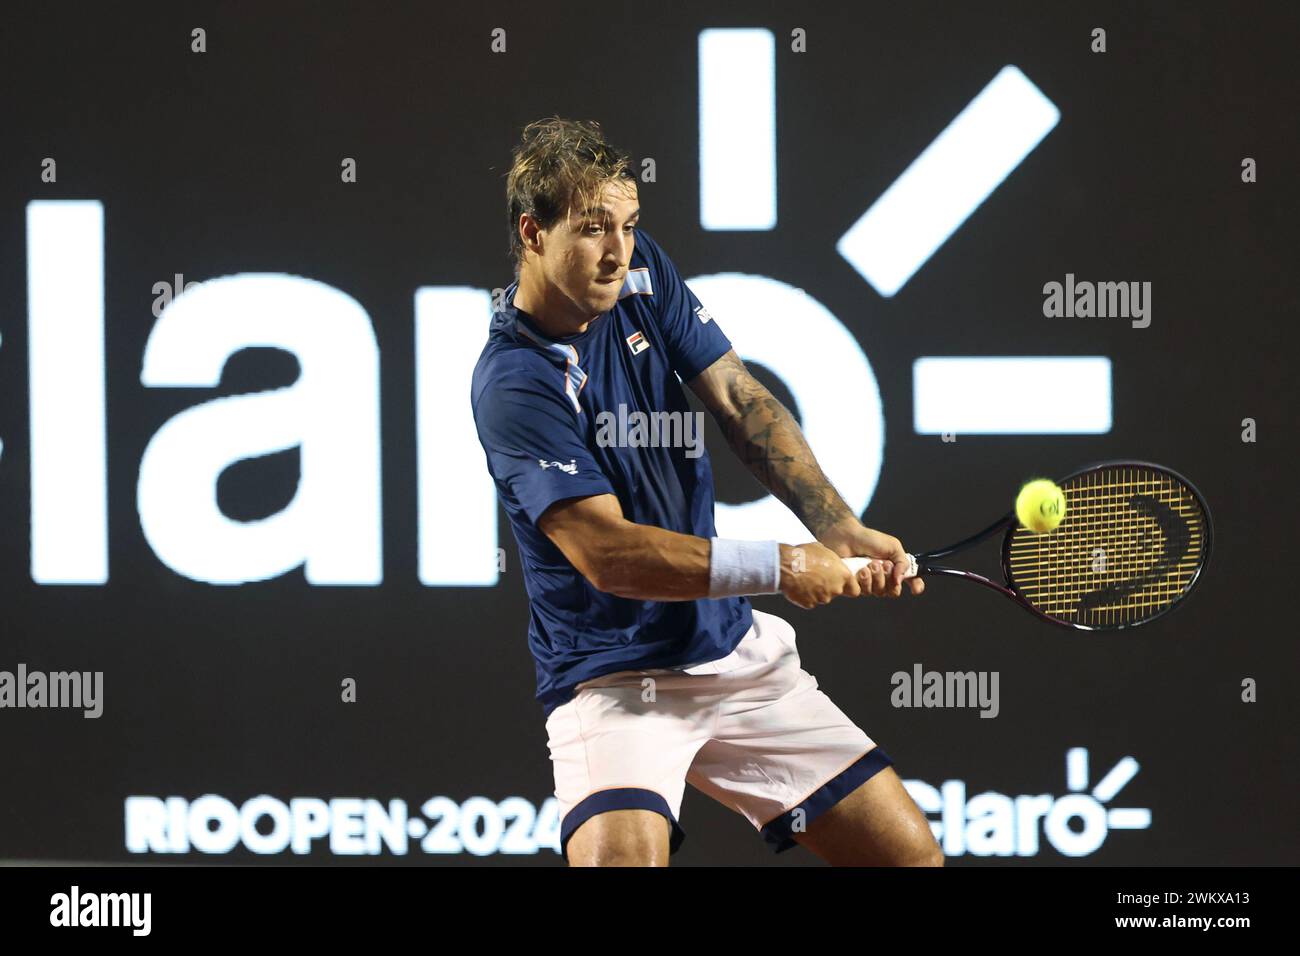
<point x="599" y="300"/>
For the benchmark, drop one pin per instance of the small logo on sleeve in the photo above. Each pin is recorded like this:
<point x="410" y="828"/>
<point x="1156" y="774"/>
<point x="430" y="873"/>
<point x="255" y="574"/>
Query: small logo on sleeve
<point x="570" y="469"/>
<point x="637" y="343"/>
<point x="704" y="315"/>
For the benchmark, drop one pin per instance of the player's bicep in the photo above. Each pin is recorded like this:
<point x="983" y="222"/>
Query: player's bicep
<point x="581" y="527"/>
<point x="535" y="447"/>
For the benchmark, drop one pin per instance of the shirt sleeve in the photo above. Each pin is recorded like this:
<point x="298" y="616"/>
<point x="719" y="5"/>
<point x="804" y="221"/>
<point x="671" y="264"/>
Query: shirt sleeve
<point x="534" y="444"/>
<point x="693" y="338"/>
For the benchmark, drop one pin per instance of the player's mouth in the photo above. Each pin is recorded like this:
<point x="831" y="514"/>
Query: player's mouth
<point x="610" y="280"/>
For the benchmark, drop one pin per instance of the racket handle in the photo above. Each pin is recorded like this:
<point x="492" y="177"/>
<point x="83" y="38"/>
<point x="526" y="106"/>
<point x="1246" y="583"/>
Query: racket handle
<point x="857" y="564"/>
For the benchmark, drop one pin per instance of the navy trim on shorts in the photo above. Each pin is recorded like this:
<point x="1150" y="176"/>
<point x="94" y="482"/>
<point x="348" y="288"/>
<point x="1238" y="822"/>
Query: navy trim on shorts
<point x="778" y="832"/>
<point x="619" y="798"/>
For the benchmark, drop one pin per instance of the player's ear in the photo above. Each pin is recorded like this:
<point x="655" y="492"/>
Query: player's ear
<point x="529" y="231"/>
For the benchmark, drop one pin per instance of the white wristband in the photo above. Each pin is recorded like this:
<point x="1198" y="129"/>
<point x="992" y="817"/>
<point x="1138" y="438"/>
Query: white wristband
<point x="744" y="567"/>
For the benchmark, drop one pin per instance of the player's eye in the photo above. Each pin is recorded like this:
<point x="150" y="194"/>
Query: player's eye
<point x="593" y="228"/>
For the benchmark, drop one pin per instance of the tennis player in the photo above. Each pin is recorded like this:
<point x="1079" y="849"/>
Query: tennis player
<point x="652" y="668"/>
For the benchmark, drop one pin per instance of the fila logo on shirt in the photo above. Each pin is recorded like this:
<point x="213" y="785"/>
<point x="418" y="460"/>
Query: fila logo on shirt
<point x="637" y="343"/>
<point x="704" y="315"/>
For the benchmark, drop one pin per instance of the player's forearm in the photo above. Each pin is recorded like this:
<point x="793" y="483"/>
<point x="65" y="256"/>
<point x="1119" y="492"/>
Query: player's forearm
<point x="647" y="563"/>
<point x="766" y="437"/>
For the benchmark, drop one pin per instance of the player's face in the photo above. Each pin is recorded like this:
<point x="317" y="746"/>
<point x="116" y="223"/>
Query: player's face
<point x="593" y="248"/>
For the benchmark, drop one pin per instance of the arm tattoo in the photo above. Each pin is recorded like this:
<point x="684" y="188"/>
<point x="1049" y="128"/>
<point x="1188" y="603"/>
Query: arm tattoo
<point x="766" y="437"/>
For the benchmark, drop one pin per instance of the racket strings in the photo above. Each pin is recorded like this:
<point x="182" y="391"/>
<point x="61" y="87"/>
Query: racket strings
<point x="1130" y="545"/>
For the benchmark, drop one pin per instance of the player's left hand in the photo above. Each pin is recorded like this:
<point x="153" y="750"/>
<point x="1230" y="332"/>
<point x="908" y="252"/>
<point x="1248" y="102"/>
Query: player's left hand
<point x="883" y="577"/>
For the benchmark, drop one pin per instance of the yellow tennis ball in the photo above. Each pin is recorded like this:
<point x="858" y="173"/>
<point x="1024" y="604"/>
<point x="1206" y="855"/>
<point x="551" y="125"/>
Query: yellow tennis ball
<point x="1040" y="506"/>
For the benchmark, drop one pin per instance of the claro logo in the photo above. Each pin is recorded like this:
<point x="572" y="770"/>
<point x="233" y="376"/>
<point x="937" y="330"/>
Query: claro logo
<point x="994" y="824"/>
<point x="331" y="415"/>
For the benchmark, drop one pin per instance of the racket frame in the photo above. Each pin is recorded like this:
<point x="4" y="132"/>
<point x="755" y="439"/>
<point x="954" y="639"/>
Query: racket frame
<point x="1008" y="524"/>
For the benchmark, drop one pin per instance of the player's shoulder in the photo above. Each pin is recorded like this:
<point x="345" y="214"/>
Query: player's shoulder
<point x="505" y="354"/>
<point x="508" y="366"/>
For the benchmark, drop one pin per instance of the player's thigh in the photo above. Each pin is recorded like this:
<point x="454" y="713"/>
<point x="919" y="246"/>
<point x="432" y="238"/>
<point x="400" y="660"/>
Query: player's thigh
<point x="621" y="838"/>
<point x="878" y="824"/>
<point x="620" y="763"/>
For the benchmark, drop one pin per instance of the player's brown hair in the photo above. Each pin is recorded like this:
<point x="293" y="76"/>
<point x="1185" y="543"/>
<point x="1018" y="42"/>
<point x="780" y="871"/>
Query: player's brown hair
<point x="559" y="164"/>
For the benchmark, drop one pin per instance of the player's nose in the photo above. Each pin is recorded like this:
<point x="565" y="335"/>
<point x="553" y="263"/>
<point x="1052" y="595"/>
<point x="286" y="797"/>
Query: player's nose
<point x="619" y="246"/>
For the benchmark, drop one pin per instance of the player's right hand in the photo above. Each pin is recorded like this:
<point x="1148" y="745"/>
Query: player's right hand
<point x="813" y="574"/>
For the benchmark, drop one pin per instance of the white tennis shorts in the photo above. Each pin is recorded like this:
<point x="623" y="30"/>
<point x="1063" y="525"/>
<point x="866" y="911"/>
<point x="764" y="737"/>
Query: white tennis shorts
<point x="752" y="730"/>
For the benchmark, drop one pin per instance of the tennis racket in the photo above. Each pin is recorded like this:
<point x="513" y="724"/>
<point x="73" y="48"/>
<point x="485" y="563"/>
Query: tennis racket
<point x="1133" y="543"/>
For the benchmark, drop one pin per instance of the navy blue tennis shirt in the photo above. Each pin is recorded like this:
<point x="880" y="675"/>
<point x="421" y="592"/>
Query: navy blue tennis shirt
<point x="536" y="400"/>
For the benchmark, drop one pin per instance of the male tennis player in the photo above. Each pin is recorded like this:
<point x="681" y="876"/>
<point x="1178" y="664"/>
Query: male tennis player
<point x="652" y="668"/>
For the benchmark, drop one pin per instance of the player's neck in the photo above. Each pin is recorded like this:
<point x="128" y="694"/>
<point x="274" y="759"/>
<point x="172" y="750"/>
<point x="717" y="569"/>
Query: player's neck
<point x="553" y="313"/>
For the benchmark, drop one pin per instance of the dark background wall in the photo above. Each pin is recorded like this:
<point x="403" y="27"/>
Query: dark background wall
<point x="227" y="162"/>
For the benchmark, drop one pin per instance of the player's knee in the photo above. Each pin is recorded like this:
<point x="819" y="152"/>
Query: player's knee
<point x="925" y="852"/>
<point x="619" y="850"/>
<point x="932" y="856"/>
<point x="919" y="849"/>
<point x="620" y="838"/>
<point x="638" y="854"/>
